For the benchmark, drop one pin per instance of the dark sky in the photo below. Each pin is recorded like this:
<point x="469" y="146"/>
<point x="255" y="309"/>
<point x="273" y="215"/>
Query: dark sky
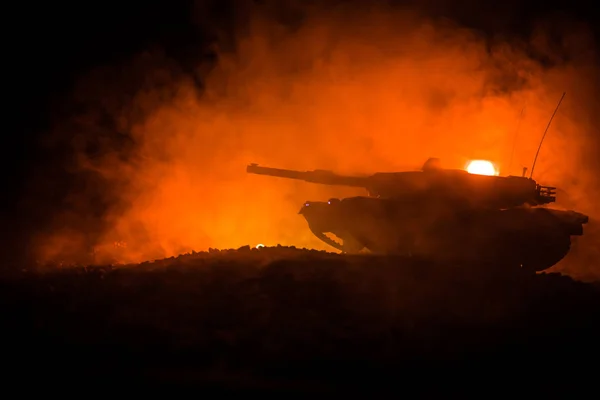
<point x="51" y="44"/>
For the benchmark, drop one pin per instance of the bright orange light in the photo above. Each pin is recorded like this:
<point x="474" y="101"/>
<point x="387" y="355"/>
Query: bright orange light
<point x="258" y="246"/>
<point x="481" y="167"/>
<point x="303" y="100"/>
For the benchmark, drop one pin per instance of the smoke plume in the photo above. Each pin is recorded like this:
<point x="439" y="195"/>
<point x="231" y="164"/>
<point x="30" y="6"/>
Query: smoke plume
<point x="160" y="159"/>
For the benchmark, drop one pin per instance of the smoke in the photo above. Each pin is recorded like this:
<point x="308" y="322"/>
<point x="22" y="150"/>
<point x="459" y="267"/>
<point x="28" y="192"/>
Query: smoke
<point x="349" y="89"/>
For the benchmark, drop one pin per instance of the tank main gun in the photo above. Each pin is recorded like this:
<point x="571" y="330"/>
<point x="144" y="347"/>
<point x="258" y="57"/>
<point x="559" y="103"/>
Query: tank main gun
<point x="431" y="182"/>
<point x="319" y="176"/>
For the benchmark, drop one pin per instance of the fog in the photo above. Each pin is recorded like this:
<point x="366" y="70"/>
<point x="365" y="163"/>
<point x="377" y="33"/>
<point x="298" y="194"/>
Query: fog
<point x="354" y="91"/>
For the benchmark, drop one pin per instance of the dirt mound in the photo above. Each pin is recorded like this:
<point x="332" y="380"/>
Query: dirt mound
<point x="290" y="318"/>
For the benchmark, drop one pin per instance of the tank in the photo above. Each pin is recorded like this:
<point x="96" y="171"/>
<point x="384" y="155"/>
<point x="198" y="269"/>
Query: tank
<point x="441" y="214"/>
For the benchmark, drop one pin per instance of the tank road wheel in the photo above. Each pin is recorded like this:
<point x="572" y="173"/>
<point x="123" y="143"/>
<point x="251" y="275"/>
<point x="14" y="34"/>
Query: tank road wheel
<point x="350" y="245"/>
<point x="544" y="253"/>
<point x="442" y="243"/>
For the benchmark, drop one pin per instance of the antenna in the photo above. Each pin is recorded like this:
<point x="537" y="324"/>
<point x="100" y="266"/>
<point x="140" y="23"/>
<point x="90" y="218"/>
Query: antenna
<point x="515" y="139"/>
<point x="544" y="135"/>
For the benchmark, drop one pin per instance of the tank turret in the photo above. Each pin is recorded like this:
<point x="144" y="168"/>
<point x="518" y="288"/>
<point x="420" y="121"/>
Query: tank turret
<point x="453" y="185"/>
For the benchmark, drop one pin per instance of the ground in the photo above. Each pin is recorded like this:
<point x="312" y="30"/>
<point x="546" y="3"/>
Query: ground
<point x="285" y="319"/>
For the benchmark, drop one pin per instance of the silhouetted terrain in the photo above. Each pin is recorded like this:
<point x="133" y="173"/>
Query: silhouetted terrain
<point x="299" y="320"/>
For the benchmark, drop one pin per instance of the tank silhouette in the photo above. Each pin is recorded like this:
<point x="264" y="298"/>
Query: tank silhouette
<point x="445" y="214"/>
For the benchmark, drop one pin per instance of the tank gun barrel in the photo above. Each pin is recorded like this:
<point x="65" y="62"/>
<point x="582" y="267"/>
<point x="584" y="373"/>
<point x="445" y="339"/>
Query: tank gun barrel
<point x="317" y="176"/>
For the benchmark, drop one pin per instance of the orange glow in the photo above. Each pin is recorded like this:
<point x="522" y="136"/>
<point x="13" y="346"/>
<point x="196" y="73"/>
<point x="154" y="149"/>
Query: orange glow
<point x="385" y="95"/>
<point x="482" y="167"/>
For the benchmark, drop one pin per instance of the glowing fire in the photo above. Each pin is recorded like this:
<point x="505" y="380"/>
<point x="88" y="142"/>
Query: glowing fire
<point x="481" y="167"/>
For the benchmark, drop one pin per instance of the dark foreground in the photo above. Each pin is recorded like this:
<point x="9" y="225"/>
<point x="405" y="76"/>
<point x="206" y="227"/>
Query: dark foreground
<point x="289" y="320"/>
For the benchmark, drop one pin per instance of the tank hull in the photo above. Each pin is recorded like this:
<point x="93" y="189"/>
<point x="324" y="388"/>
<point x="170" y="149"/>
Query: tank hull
<point x="530" y="238"/>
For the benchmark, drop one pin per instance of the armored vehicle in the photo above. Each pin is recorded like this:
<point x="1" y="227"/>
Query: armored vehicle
<point x="442" y="214"/>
